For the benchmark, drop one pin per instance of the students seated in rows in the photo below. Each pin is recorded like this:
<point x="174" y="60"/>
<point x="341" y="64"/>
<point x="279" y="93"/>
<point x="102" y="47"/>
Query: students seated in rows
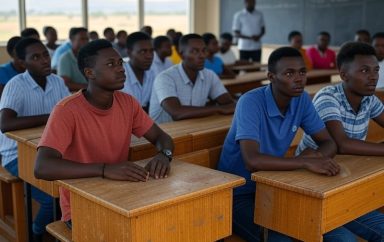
<point x="378" y="44"/>
<point x="225" y="53"/>
<point x="30" y="33"/>
<point x="265" y="122"/>
<point x="346" y="110"/>
<point x="363" y="35"/>
<point x="67" y="67"/>
<point x="163" y="49"/>
<point x="182" y="91"/>
<point x="109" y="34"/>
<point x="212" y="62"/>
<point x="13" y="67"/>
<point x="27" y="100"/>
<point x="320" y="55"/>
<point x="61" y="50"/>
<point x="296" y="40"/>
<point x="51" y="37"/>
<point x="139" y="77"/>
<point x="89" y="133"/>
<point x="121" y="43"/>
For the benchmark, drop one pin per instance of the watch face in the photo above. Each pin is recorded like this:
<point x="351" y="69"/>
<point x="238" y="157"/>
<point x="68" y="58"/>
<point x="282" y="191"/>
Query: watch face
<point x="168" y="152"/>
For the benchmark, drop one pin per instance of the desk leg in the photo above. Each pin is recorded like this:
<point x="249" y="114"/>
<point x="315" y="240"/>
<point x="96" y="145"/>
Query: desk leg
<point x="28" y="210"/>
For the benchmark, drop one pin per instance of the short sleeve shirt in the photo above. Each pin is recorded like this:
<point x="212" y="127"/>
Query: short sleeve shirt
<point x="215" y="65"/>
<point x="59" y="52"/>
<point x="228" y="57"/>
<point x="7" y="71"/>
<point x="174" y="82"/>
<point x="258" y="118"/>
<point x="159" y="66"/>
<point x="320" y="60"/>
<point x="68" y="67"/>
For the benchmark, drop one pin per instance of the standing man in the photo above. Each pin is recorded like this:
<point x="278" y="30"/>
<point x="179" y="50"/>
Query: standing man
<point x="248" y="26"/>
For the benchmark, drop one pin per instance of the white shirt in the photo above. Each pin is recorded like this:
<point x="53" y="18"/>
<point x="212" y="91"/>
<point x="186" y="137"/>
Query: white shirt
<point x="248" y="24"/>
<point x="174" y="82"/>
<point x="159" y="66"/>
<point x="380" y="83"/>
<point x="228" y="57"/>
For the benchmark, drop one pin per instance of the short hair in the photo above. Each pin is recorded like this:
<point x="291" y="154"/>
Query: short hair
<point x="22" y="45"/>
<point x="325" y="33"/>
<point x="28" y="32"/>
<point x="349" y="50"/>
<point x="86" y="57"/>
<point x="159" y="40"/>
<point x="135" y="37"/>
<point x="184" y="40"/>
<point x="46" y="29"/>
<point x="363" y="31"/>
<point x="280" y="53"/>
<point x="120" y="32"/>
<point x="226" y="36"/>
<point x="207" y="37"/>
<point x="107" y="29"/>
<point x="74" y="31"/>
<point x="378" y="35"/>
<point x="12" y="42"/>
<point x="293" y="34"/>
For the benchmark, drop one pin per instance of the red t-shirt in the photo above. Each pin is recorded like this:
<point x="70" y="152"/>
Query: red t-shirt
<point x="86" y="134"/>
<point x="321" y="60"/>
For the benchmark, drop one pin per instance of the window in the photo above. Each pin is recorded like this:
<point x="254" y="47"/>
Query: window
<point x="163" y="15"/>
<point x="9" y="21"/>
<point x="118" y="14"/>
<point x="62" y="15"/>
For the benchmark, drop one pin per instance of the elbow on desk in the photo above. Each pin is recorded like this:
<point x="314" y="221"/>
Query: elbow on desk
<point x="41" y="173"/>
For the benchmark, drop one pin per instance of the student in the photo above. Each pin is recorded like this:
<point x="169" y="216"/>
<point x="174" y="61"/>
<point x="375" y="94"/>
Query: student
<point x="62" y="49"/>
<point x="378" y="44"/>
<point x="248" y="26"/>
<point x="27" y="100"/>
<point x="121" y="43"/>
<point x="264" y="124"/>
<point x="321" y="57"/>
<point x="147" y="30"/>
<point x="93" y="35"/>
<point x="13" y="67"/>
<point x="346" y="109"/>
<point x="171" y="33"/>
<point x="109" y="34"/>
<point x="104" y="119"/>
<point x="225" y="53"/>
<point x="30" y="33"/>
<point x="212" y="62"/>
<point x="139" y="77"/>
<point x="51" y="37"/>
<point x="296" y="40"/>
<point x="67" y="67"/>
<point x="182" y="91"/>
<point x="175" y="58"/>
<point x="363" y="36"/>
<point x="163" y="49"/>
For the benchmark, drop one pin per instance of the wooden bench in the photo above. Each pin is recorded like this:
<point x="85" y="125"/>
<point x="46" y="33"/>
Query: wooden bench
<point x="12" y="213"/>
<point x="60" y="231"/>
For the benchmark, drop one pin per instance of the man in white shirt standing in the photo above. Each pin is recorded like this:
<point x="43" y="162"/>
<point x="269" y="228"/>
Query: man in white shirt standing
<point x="248" y="26"/>
<point x="378" y="44"/>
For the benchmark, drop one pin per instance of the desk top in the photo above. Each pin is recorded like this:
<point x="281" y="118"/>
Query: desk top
<point x="186" y="181"/>
<point x="250" y="66"/>
<point x="24" y="135"/>
<point x="354" y="170"/>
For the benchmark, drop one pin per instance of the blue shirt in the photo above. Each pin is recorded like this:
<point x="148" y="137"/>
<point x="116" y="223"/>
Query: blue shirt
<point x="332" y="104"/>
<point x="7" y="71"/>
<point x="258" y="118"/>
<point x="59" y="52"/>
<point x="24" y="96"/>
<point x="215" y="65"/>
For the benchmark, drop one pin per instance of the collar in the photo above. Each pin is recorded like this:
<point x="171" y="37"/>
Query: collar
<point x="32" y="83"/>
<point x="364" y="101"/>
<point x="184" y="76"/>
<point x="132" y="79"/>
<point x="272" y="109"/>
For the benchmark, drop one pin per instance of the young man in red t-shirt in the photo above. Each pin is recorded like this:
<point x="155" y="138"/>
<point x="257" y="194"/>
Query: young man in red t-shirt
<point x="89" y="133"/>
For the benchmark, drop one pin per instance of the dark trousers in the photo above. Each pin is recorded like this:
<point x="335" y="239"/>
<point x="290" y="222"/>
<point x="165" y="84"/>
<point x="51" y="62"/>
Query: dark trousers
<point x="250" y="55"/>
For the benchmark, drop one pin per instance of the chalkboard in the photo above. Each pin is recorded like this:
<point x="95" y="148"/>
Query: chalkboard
<point x="341" y="18"/>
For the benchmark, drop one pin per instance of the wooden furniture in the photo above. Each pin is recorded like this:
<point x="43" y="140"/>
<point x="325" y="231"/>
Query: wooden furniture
<point x="305" y="205"/>
<point x="255" y="66"/>
<point x="12" y="214"/>
<point x="193" y="204"/>
<point x="60" y="231"/>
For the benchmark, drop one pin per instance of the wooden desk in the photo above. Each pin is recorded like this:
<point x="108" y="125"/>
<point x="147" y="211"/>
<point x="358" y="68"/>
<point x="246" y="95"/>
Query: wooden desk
<point x="249" y="67"/>
<point x="305" y="205"/>
<point x="193" y="204"/>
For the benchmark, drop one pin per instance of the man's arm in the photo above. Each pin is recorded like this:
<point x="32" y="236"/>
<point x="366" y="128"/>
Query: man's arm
<point x="352" y="146"/>
<point x="326" y="146"/>
<point x="158" y="166"/>
<point x="255" y="161"/>
<point x="9" y="120"/>
<point x="51" y="166"/>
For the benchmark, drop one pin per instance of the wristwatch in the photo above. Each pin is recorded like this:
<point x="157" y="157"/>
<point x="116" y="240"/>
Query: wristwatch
<point x="168" y="153"/>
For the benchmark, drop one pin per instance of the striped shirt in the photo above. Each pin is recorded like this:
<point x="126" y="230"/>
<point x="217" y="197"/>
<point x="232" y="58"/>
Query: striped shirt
<point x="24" y="96"/>
<point x="332" y="104"/>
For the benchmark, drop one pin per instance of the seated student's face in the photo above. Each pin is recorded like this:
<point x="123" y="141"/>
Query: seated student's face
<point x="165" y="48"/>
<point x="37" y="60"/>
<point x="108" y="72"/>
<point x="361" y="74"/>
<point x="290" y="77"/>
<point x="80" y="39"/>
<point x="297" y="41"/>
<point x="141" y="55"/>
<point x="110" y="36"/>
<point x="122" y="39"/>
<point x="213" y="46"/>
<point x="51" y="36"/>
<point x="363" y="38"/>
<point x="378" y="44"/>
<point x="225" y="44"/>
<point x="323" y="41"/>
<point x="194" y="54"/>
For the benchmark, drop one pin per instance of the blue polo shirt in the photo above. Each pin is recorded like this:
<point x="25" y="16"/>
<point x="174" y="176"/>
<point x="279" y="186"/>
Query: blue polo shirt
<point x="7" y="71"/>
<point x="258" y="118"/>
<point x="215" y="65"/>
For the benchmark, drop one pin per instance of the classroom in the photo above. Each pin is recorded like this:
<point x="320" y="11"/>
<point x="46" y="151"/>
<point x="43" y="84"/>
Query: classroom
<point x="192" y="120"/>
